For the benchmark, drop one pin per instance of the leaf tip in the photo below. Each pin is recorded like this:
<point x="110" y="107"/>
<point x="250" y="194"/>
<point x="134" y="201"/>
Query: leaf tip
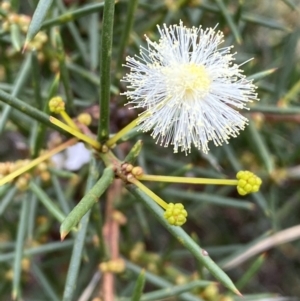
<point x="25" y="47"/>
<point x="236" y="291"/>
<point x="63" y="234"/>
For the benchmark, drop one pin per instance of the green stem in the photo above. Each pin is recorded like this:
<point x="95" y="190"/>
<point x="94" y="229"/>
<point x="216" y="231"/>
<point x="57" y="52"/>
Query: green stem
<point x="7" y="199"/>
<point x="110" y="142"/>
<point x="290" y="110"/>
<point x="27" y="109"/>
<point x="75" y="33"/>
<point x="19" y="248"/>
<point x="40" y="250"/>
<point x="158" y="281"/>
<point x="105" y="60"/>
<point x="170" y="179"/>
<point x="252" y="270"/>
<point x="17" y="87"/>
<point x="38" y="135"/>
<point x="150" y="193"/>
<point x="64" y="72"/>
<point x="80" y="240"/>
<point x="261" y="147"/>
<point x="44" y="282"/>
<point x="46" y="201"/>
<point x="73" y="15"/>
<point x="174" y="290"/>
<point x="36" y="81"/>
<point x="228" y="17"/>
<point x="75" y="133"/>
<point x="132" y="5"/>
<point x="139" y="287"/>
<point x="87" y="202"/>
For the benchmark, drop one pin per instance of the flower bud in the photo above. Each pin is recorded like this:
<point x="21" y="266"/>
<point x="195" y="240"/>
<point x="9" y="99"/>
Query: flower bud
<point x="85" y="118"/>
<point x="248" y="182"/>
<point x="56" y="105"/>
<point x="175" y="214"/>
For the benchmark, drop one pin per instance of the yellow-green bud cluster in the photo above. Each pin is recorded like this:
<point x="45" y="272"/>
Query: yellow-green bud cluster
<point x="38" y="42"/>
<point x="137" y="251"/>
<point x="113" y="266"/>
<point x="22" y="22"/>
<point x="8" y="167"/>
<point x="248" y="182"/>
<point x="211" y="292"/>
<point x="23" y="180"/>
<point x="56" y="105"/>
<point x="175" y="214"/>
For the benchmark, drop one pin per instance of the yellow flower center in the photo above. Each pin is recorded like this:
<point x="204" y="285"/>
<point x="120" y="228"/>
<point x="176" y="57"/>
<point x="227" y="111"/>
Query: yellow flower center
<point x="188" y="81"/>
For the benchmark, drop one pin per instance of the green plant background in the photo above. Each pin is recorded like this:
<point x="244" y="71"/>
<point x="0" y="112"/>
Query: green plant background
<point x="223" y="223"/>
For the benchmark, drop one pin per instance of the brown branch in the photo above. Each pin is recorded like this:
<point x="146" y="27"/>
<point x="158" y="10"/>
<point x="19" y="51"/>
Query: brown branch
<point x="111" y="235"/>
<point x="275" y="118"/>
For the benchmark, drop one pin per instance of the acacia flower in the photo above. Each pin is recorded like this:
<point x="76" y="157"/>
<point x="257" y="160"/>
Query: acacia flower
<point x="189" y="88"/>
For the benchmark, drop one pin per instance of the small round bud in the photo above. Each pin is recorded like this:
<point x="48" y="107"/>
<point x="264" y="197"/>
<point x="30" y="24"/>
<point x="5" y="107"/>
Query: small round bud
<point x="124" y="166"/>
<point x="41" y="57"/>
<point x="25" y="264"/>
<point x="210" y="292"/>
<point x="85" y="118"/>
<point x="54" y="65"/>
<point x="3" y="168"/>
<point x="42" y="220"/>
<point x="5" y="5"/>
<point x="42" y="167"/>
<point x="11" y="167"/>
<point x="175" y="214"/>
<point x="137" y="171"/>
<point x="95" y="241"/>
<point x="129" y="177"/>
<point x="119" y="217"/>
<point x="180" y="279"/>
<point x="56" y="105"/>
<point x="22" y="183"/>
<point x="24" y="28"/>
<point x="24" y="20"/>
<point x="152" y="267"/>
<point x="41" y="37"/>
<point x="129" y="167"/>
<point x="116" y="265"/>
<point x="45" y="176"/>
<point x="103" y="266"/>
<point x="137" y="251"/>
<point x="13" y="18"/>
<point x="248" y="182"/>
<point x="5" y="26"/>
<point x="27" y="176"/>
<point x="9" y="275"/>
<point x="104" y="149"/>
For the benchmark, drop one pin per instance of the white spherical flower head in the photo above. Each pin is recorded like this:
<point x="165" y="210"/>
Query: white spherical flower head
<point x="189" y="88"/>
